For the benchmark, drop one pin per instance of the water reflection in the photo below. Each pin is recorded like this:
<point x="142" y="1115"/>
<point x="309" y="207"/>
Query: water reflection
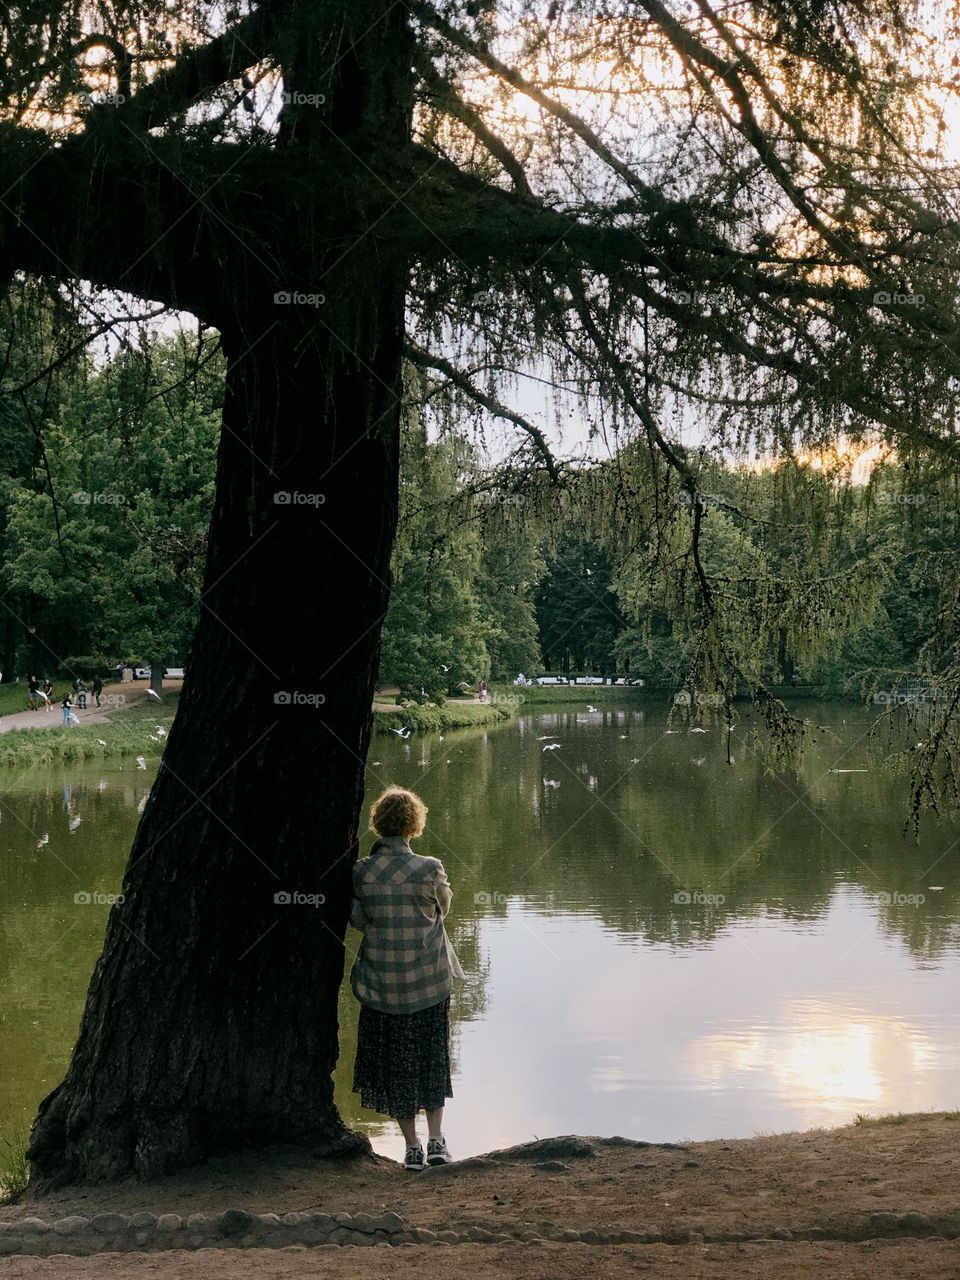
<point x="658" y="943"/>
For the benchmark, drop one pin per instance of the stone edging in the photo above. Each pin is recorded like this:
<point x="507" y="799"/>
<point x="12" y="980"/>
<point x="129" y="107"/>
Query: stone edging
<point x="236" y="1228"/>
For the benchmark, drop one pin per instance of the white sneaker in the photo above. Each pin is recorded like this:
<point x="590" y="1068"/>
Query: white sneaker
<point x="413" y="1160"/>
<point x="437" y="1152"/>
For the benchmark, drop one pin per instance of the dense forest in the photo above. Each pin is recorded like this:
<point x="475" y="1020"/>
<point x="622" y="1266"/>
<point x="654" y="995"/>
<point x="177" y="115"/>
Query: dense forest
<point x="107" y="488"/>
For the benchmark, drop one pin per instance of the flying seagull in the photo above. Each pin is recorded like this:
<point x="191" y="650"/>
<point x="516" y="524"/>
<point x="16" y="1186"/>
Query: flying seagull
<point x="444" y="667"/>
<point x="589" y="708"/>
<point x="161" y="731"/>
<point x="402" y="733"/>
<point x="43" y="840"/>
<point x="141" y="763"/>
<point x="552" y="746"/>
<point x="101" y="743"/>
<point x="697" y="729"/>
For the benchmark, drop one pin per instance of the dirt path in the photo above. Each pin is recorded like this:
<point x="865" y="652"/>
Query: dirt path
<point x="52" y="718"/>
<point x="826" y="1202"/>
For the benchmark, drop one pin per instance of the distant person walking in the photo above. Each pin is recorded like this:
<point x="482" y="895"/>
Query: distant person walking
<point x="48" y="693"/>
<point x="483" y="690"/>
<point x="403" y="977"/>
<point x="33" y="691"/>
<point x="97" y="689"/>
<point x="66" y="707"/>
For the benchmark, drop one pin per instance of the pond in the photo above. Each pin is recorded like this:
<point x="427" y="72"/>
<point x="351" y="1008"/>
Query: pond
<point x="658" y="943"/>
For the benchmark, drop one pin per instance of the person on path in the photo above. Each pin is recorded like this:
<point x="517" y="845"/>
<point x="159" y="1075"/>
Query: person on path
<point x="48" y="692"/>
<point x="97" y="689"/>
<point x="403" y="977"/>
<point x="483" y="690"/>
<point x="33" y="691"/>
<point x="81" y="690"/>
<point x="67" y="707"/>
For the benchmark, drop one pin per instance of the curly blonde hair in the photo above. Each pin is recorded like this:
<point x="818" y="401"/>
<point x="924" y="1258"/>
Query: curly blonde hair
<point x="398" y="812"/>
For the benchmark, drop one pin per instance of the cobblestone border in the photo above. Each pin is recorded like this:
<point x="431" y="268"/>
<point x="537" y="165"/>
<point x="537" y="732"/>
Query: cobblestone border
<point x="236" y="1228"/>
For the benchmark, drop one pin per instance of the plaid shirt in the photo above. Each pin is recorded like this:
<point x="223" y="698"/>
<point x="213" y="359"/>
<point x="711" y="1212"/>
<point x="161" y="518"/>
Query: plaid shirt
<point x="406" y="961"/>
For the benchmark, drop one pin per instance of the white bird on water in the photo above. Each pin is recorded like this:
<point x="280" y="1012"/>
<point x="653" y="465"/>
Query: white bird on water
<point x="402" y="733"/>
<point x="141" y="763"/>
<point x="551" y="782"/>
<point x="589" y="708"/>
<point x="551" y="746"/>
<point x="73" y="823"/>
<point x="43" y="840"/>
<point x="697" y="729"/>
<point x="152" y="693"/>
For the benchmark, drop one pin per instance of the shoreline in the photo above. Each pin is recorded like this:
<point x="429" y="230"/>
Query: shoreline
<point x="885" y="1180"/>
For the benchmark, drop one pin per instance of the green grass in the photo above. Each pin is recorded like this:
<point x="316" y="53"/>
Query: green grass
<point x="131" y="731"/>
<point x="451" y="715"/>
<point x="539" y="694"/>
<point x="14" y="1170"/>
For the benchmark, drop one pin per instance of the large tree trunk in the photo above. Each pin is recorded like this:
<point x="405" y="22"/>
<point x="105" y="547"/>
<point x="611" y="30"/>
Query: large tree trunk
<point x="211" y="1018"/>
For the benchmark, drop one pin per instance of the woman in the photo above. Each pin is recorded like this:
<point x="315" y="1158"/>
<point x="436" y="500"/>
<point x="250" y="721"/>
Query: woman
<point x="403" y="977"/>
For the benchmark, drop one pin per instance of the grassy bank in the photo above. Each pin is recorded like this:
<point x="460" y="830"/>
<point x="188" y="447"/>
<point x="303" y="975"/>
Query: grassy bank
<point x="537" y="694"/>
<point x="131" y="732"/>
<point x="452" y="715"/>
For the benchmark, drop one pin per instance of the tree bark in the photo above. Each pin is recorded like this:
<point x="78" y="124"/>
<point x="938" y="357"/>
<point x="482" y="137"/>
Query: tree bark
<point x="211" y="1018"/>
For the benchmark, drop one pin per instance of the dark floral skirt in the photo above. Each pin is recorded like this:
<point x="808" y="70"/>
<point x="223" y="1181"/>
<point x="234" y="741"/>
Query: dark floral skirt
<point x="403" y="1060"/>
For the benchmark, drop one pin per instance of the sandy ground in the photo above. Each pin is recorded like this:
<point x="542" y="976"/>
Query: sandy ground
<point x="910" y="1260"/>
<point x="829" y="1180"/>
